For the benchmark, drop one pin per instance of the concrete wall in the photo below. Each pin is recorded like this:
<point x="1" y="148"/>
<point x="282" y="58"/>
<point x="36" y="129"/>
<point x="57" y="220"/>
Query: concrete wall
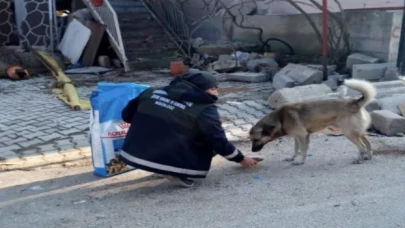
<point x="372" y="32"/>
<point x="355" y="4"/>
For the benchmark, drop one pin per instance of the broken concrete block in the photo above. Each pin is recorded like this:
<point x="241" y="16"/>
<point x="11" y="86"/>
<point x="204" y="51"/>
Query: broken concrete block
<point x="254" y="55"/>
<point x="388" y="92"/>
<point x="388" y="122"/>
<point x="348" y="92"/>
<point x="248" y="77"/>
<point x="223" y="66"/>
<point x="371" y="72"/>
<point x="224" y="57"/>
<point x="332" y="83"/>
<point x="391" y="103"/>
<point x="402" y="109"/>
<point x="283" y="81"/>
<point x="373" y="106"/>
<point x="104" y="61"/>
<point x="389" y="84"/>
<point x="260" y="65"/>
<point x="330" y="68"/>
<point x="298" y="94"/>
<point x="390" y="74"/>
<point x="358" y="58"/>
<point x="303" y="75"/>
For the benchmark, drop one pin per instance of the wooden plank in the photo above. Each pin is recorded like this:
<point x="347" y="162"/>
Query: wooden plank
<point x="90" y="51"/>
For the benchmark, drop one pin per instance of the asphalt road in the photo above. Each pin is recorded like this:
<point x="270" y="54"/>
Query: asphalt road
<point x="328" y="191"/>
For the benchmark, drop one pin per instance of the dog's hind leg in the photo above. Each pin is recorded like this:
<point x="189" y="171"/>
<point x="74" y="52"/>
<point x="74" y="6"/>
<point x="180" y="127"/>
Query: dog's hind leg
<point x="296" y="151"/>
<point x="367" y="143"/>
<point x="303" y="145"/>
<point x="357" y="140"/>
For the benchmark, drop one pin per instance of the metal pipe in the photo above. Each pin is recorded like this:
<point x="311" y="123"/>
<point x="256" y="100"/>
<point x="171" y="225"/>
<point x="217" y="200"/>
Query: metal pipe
<point x="50" y="13"/>
<point x="325" y="15"/>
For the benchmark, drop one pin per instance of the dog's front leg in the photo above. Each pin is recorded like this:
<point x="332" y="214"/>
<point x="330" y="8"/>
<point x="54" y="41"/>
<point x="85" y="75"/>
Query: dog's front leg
<point x="303" y="145"/>
<point x="296" y="151"/>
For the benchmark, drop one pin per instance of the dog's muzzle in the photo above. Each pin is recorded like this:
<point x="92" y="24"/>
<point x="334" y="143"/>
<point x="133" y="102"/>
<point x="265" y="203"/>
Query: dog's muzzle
<point x="257" y="147"/>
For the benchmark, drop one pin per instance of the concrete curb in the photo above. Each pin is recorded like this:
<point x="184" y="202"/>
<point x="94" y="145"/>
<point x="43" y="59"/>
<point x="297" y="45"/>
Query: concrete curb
<point x="72" y="157"/>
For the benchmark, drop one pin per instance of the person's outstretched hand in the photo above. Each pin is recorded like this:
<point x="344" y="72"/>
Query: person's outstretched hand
<point x="248" y="162"/>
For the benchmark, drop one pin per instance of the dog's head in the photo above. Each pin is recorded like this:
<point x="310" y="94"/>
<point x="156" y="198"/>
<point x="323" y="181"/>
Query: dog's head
<point x="264" y="131"/>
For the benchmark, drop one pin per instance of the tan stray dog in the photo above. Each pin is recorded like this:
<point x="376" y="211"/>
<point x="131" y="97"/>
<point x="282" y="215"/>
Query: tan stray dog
<point x="299" y="120"/>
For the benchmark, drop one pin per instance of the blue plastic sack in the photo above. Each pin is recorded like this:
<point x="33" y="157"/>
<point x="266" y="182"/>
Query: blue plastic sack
<point x="107" y="129"/>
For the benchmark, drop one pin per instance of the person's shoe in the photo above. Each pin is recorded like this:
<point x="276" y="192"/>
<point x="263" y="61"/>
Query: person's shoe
<point x="181" y="181"/>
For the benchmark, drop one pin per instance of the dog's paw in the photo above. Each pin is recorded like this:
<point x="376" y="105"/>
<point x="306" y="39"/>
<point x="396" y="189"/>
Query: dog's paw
<point x="367" y="157"/>
<point x="298" y="162"/>
<point x="358" y="161"/>
<point x="289" y="159"/>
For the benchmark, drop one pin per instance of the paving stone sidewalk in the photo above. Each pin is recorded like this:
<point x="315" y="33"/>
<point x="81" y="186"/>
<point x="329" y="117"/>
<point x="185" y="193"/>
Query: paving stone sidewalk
<point x="36" y="127"/>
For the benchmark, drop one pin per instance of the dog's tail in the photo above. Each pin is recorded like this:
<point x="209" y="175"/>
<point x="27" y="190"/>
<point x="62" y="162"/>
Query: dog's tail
<point x="366" y="88"/>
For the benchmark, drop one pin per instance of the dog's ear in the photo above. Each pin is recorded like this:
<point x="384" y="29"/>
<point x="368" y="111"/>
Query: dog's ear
<point x="271" y="124"/>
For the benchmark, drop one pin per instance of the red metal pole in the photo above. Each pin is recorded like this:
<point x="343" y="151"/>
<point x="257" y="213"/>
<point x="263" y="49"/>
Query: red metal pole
<point x="325" y="37"/>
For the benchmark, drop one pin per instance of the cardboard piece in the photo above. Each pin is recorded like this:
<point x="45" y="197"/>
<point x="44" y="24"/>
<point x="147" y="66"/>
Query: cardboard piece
<point x="74" y="41"/>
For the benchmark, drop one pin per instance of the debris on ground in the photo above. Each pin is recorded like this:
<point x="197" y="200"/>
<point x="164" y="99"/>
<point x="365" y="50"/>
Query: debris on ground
<point x="88" y="70"/>
<point x="37" y="188"/>
<point x="359" y="58"/>
<point x="388" y="123"/>
<point x="372" y="72"/>
<point x="79" y="202"/>
<point x="298" y="94"/>
<point x="392" y="103"/>
<point x="224" y="66"/>
<point x="303" y="75"/>
<point x="249" y="77"/>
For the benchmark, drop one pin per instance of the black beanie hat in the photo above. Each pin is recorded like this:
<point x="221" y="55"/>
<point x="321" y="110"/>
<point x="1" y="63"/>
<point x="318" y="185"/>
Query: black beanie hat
<point x="203" y="80"/>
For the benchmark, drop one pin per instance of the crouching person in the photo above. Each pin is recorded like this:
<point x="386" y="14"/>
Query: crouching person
<point x="176" y="130"/>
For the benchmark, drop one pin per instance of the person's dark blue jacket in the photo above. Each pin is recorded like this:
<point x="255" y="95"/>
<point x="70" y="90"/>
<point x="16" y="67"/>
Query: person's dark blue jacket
<point x="175" y="130"/>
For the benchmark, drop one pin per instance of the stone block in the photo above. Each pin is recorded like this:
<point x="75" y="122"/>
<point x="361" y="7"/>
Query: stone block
<point x="390" y="74"/>
<point x="358" y="58"/>
<point x="389" y="84"/>
<point x="332" y="83"/>
<point x="281" y="81"/>
<point x="223" y="66"/>
<point x="224" y="57"/>
<point x="303" y="75"/>
<point x="104" y="61"/>
<point x="373" y="106"/>
<point x="391" y="103"/>
<point x="331" y="68"/>
<point x="371" y="72"/>
<point x="388" y="92"/>
<point x="248" y="77"/>
<point x="262" y="65"/>
<point x="298" y="94"/>
<point x="388" y="122"/>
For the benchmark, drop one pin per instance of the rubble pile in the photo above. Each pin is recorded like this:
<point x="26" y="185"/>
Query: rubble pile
<point x="304" y="82"/>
